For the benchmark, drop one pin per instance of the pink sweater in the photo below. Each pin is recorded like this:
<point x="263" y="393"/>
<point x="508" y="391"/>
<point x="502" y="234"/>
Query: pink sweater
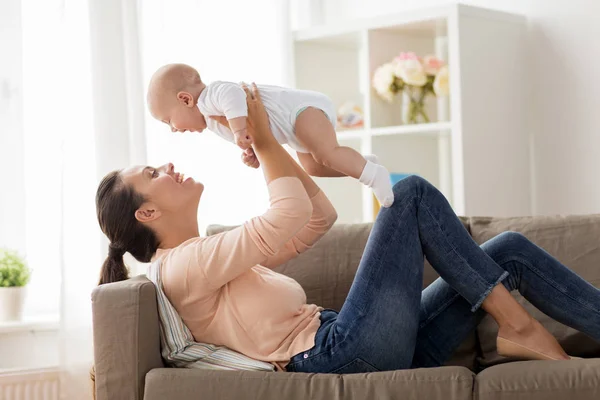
<point x="223" y="287"/>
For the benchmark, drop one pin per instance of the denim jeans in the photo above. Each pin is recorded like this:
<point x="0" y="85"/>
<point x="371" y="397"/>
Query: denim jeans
<point x="388" y="322"/>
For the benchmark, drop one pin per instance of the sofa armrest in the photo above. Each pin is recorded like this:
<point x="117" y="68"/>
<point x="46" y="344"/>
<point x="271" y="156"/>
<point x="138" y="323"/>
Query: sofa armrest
<point x="126" y="337"/>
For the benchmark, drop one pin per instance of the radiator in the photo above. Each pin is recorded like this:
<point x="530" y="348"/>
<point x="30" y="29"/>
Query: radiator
<point x="34" y="384"/>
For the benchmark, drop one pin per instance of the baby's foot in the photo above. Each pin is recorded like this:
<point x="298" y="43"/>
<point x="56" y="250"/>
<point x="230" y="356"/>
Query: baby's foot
<point x="377" y="177"/>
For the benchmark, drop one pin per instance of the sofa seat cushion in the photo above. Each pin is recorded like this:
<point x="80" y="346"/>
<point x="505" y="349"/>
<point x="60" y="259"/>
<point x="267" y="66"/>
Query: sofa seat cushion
<point x="540" y="380"/>
<point x="445" y="383"/>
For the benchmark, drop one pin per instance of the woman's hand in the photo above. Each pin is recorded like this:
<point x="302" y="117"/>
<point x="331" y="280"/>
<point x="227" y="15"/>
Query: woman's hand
<point x="258" y="120"/>
<point x="265" y="150"/>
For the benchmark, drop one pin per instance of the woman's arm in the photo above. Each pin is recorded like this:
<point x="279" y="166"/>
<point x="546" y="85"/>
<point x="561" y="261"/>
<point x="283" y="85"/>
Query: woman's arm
<point x="322" y="219"/>
<point x="224" y="257"/>
<point x="249" y="158"/>
<point x="275" y="161"/>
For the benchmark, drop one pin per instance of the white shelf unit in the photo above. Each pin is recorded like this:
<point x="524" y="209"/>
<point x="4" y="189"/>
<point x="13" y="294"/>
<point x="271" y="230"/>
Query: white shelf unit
<point x="475" y="150"/>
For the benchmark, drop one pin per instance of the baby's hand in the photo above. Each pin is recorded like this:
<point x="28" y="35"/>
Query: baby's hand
<point x="242" y="139"/>
<point x="249" y="158"/>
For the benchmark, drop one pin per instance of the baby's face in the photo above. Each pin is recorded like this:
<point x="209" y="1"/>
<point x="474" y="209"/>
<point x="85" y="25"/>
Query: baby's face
<point x="182" y="118"/>
<point x="179" y="116"/>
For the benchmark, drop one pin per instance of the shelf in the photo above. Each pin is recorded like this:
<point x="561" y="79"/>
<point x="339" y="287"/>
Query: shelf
<point x="340" y="59"/>
<point x="352" y="134"/>
<point x="417" y="21"/>
<point x="434" y="128"/>
<point x="28" y="324"/>
<point x="430" y="129"/>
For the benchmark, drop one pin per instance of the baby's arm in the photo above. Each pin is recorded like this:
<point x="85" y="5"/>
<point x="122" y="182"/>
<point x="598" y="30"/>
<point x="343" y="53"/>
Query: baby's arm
<point x="231" y="100"/>
<point x="240" y="133"/>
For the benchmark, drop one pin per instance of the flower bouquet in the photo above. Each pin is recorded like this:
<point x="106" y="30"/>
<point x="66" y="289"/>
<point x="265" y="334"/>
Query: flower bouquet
<point x="415" y="78"/>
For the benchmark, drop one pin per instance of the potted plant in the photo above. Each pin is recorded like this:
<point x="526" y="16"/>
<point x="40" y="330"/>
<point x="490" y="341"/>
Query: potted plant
<point x="14" y="275"/>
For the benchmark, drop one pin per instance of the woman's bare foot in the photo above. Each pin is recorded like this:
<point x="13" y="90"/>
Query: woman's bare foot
<point x="531" y="341"/>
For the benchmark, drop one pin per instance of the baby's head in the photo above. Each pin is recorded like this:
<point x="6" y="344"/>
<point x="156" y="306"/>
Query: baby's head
<point x="172" y="97"/>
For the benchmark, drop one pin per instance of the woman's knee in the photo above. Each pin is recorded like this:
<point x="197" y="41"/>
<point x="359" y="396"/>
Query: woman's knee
<point x="410" y="184"/>
<point x="506" y="244"/>
<point x="513" y="238"/>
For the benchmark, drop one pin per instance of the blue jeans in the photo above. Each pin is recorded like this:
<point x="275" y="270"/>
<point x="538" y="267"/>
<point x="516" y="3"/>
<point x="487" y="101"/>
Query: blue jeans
<point x="387" y="322"/>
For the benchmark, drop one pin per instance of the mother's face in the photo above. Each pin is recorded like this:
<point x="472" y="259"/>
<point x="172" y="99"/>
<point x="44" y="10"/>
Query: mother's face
<point x="167" y="191"/>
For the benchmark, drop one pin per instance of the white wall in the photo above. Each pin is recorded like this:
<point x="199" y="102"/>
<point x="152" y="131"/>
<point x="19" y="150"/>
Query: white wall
<point x="565" y="112"/>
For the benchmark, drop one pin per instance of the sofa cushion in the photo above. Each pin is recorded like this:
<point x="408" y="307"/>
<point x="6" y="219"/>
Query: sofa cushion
<point x="446" y="383"/>
<point x="540" y="380"/>
<point x="574" y="241"/>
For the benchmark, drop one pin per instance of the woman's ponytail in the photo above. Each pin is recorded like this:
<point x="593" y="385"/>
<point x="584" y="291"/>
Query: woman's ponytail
<point x="116" y="204"/>
<point x="113" y="269"/>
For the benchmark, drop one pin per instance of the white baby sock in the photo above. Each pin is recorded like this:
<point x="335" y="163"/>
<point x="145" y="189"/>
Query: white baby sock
<point x="377" y="177"/>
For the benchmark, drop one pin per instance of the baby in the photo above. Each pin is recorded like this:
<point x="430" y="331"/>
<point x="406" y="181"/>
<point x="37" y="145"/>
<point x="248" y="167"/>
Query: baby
<point x="304" y="120"/>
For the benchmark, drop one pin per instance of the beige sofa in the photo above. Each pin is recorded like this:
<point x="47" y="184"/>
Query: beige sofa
<point x="129" y="366"/>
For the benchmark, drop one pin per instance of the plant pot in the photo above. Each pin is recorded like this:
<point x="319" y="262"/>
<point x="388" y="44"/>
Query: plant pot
<point x="11" y="303"/>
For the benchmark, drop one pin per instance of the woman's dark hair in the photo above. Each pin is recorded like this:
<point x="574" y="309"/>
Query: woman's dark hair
<point x="116" y="204"/>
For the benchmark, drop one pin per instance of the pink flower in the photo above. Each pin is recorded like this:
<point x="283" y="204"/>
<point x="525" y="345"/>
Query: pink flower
<point x="432" y="65"/>
<point x="404" y="56"/>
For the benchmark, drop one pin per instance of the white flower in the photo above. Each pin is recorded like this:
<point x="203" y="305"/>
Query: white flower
<point x="441" y="86"/>
<point x="383" y="78"/>
<point x="411" y="72"/>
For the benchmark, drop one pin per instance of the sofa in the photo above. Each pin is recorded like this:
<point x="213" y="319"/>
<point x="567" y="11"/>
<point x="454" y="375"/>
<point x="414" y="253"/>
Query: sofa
<point x="129" y="366"/>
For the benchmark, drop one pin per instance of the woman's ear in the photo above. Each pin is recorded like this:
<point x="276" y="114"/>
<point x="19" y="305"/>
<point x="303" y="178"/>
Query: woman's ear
<point x="147" y="213"/>
<point x="186" y="99"/>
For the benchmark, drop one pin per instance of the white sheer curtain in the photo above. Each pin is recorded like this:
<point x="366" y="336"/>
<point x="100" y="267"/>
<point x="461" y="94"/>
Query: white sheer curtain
<point x="83" y="113"/>
<point x="232" y="40"/>
<point x="85" y="68"/>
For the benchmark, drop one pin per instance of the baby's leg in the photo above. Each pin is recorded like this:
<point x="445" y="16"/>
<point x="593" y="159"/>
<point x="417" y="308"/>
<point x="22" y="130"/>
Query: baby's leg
<point x="313" y="168"/>
<point x="316" y="133"/>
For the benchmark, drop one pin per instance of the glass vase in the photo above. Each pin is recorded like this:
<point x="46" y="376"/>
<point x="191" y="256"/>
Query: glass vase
<point x="413" y="106"/>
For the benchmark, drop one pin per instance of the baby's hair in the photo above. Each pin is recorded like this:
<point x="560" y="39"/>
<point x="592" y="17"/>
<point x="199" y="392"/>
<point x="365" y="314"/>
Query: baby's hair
<point x="170" y="79"/>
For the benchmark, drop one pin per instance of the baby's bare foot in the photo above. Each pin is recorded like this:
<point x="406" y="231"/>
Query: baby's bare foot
<point x="535" y="337"/>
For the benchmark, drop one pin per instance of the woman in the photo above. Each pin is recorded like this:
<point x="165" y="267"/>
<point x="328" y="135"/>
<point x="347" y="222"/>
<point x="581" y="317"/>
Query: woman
<point x="225" y="291"/>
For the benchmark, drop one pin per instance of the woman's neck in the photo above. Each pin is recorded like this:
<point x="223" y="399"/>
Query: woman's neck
<point x="176" y="231"/>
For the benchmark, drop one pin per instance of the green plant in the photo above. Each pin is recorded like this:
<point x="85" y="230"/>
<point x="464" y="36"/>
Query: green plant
<point x="13" y="270"/>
